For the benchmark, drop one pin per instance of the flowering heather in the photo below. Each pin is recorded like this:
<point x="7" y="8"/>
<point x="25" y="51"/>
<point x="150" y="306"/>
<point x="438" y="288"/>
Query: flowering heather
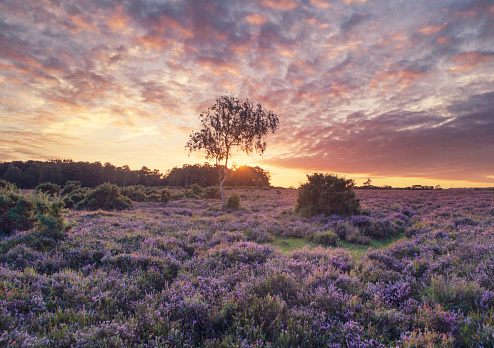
<point x="189" y="274"/>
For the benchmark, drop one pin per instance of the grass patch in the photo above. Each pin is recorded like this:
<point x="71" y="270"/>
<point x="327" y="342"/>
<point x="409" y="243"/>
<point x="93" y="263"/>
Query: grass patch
<point x="287" y="245"/>
<point x="359" y="251"/>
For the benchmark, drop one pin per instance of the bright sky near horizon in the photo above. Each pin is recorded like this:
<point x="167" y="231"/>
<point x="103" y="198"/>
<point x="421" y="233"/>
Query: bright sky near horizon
<point x="401" y="92"/>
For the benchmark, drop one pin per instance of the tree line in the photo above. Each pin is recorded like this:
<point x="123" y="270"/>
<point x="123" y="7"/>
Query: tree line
<point x="31" y="173"/>
<point x="368" y="186"/>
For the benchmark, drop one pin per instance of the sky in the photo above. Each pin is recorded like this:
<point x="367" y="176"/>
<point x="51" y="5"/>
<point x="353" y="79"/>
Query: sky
<point x="401" y="92"/>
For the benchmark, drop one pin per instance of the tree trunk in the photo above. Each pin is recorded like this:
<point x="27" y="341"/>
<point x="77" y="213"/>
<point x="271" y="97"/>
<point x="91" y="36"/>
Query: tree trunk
<point x="223" y="177"/>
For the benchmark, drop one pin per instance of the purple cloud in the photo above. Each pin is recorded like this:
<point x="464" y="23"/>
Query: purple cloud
<point x="390" y="89"/>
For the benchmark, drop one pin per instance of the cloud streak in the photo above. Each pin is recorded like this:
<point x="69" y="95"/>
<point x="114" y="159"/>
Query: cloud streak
<point x="377" y="87"/>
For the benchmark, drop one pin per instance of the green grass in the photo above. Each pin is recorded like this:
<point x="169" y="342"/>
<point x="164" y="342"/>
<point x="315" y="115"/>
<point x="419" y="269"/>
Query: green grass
<point x="358" y="251"/>
<point x="287" y="245"/>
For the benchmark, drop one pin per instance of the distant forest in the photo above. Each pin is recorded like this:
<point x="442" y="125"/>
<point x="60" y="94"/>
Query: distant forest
<point x="29" y="174"/>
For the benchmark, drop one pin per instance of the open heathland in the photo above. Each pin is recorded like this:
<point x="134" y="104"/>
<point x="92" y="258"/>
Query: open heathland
<point x="414" y="269"/>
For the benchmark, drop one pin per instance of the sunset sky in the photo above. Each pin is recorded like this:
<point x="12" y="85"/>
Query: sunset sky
<point x="401" y="92"/>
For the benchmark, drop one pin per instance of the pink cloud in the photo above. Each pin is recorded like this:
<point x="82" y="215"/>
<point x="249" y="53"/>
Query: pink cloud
<point x="256" y="19"/>
<point x="470" y="60"/>
<point x="284" y="5"/>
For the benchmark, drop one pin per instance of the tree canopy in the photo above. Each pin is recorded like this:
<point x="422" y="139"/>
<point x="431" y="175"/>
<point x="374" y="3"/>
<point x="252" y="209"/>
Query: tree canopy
<point x="229" y="124"/>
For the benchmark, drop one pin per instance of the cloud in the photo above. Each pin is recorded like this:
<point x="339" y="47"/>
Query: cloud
<point x="430" y="29"/>
<point x="404" y="144"/>
<point x="153" y="41"/>
<point x="350" y="2"/>
<point x="320" y="3"/>
<point x="390" y="88"/>
<point x="256" y="19"/>
<point x="466" y="61"/>
<point x="354" y="20"/>
<point x="118" y="21"/>
<point x="395" y="79"/>
<point x="284" y="5"/>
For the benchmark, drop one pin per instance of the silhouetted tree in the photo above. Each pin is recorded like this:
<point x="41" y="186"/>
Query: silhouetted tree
<point x="50" y="172"/>
<point x="248" y="176"/>
<point x="13" y="174"/>
<point x="30" y="176"/>
<point x="327" y="194"/>
<point x="229" y="124"/>
<point x="109" y="171"/>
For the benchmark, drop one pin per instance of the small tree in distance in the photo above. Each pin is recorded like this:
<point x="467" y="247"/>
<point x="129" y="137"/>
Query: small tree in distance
<point x="327" y="194"/>
<point x="229" y="124"/>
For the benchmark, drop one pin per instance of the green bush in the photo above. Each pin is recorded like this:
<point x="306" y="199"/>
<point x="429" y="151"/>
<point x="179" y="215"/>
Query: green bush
<point x="189" y="194"/>
<point x="4" y="184"/>
<point x="106" y="197"/>
<point x="71" y="200"/>
<point x="359" y="239"/>
<point x="153" y="197"/>
<point x="327" y="194"/>
<point x="212" y="192"/>
<point x="328" y="238"/>
<point x="23" y="212"/>
<point x="177" y="196"/>
<point x="165" y="196"/>
<point x="19" y="217"/>
<point x="49" y="219"/>
<point x="196" y="189"/>
<point x="135" y="193"/>
<point x="48" y="188"/>
<point x="233" y="202"/>
<point x="71" y="186"/>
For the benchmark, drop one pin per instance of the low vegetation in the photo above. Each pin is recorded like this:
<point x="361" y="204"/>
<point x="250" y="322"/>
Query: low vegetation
<point x="20" y="212"/>
<point x="414" y="269"/>
<point x="327" y="194"/>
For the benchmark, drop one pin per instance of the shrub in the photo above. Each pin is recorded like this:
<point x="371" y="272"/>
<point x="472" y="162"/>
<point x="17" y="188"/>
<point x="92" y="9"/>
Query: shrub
<point x="196" y="189"/>
<point x="223" y="256"/>
<point x="374" y="228"/>
<point x="20" y="216"/>
<point x="426" y="339"/>
<point x="328" y="238"/>
<point x="23" y="212"/>
<point x="49" y="220"/>
<point x="455" y="293"/>
<point x="327" y="195"/>
<point x="16" y="210"/>
<point x="4" y="184"/>
<point x="153" y="197"/>
<point x="135" y="193"/>
<point x="359" y="239"/>
<point x="71" y="186"/>
<point x="233" y="202"/>
<point x="212" y="192"/>
<point x="71" y="200"/>
<point x="106" y="197"/>
<point x="165" y="196"/>
<point x="343" y="229"/>
<point x="48" y="188"/>
<point x="177" y="196"/>
<point x="189" y="194"/>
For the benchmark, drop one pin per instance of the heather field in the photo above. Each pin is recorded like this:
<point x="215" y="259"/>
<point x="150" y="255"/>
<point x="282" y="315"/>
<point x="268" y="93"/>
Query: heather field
<point x="416" y="269"/>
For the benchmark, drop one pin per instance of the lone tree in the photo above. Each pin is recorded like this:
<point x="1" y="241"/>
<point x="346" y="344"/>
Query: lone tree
<point x="327" y="194"/>
<point x="230" y="124"/>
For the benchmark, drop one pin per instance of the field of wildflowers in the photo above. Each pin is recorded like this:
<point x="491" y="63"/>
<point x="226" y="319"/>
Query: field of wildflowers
<point x="187" y="273"/>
